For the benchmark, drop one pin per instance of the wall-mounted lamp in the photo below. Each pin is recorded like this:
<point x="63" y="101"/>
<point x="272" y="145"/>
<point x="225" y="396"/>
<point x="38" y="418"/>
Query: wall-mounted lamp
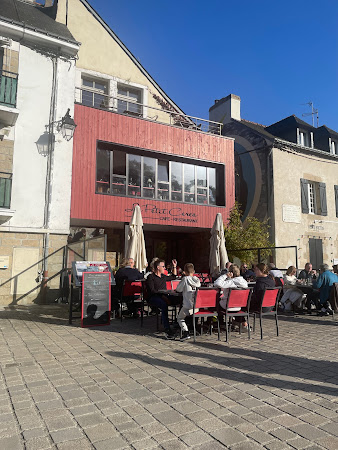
<point x="66" y="126"/>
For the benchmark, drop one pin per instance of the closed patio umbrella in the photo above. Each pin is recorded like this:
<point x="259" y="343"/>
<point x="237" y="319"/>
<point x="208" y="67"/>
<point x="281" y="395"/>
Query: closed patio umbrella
<point x="136" y="248"/>
<point x="218" y="256"/>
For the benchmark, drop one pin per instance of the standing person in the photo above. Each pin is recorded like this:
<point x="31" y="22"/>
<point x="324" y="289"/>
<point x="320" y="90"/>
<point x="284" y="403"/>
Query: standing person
<point x="187" y="286"/>
<point x="324" y="283"/>
<point x="156" y="281"/>
<point x="307" y="273"/>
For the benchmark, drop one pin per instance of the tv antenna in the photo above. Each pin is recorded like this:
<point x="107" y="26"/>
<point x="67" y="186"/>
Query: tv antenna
<point x="313" y="113"/>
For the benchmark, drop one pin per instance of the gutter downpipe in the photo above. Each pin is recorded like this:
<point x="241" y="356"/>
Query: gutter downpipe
<point x="270" y="201"/>
<point x="50" y="158"/>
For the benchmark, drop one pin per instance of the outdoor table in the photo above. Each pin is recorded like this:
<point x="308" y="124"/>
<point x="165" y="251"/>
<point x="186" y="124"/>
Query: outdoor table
<point x="170" y="292"/>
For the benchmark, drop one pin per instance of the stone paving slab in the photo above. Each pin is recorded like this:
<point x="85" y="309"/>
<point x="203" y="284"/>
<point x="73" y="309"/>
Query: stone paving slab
<point x="126" y="387"/>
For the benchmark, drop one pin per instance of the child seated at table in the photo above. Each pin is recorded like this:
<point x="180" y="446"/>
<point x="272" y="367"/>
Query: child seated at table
<point x="187" y="286"/>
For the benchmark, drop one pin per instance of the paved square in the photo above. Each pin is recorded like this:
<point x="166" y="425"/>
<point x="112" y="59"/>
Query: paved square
<point x="126" y="387"/>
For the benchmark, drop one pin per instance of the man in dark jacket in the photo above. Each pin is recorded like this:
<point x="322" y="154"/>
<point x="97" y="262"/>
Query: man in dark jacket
<point x="156" y="281"/>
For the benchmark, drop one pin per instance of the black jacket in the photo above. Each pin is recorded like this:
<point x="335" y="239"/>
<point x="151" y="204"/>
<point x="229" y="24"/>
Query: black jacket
<point x="261" y="284"/>
<point x="155" y="283"/>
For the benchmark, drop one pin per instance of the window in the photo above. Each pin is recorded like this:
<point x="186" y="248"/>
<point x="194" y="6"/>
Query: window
<point x="163" y="180"/>
<point x="103" y="171"/>
<point x="333" y="148"/>
<point x="303" y="138"/>
<point x="212" y="185"/>
<point x="128" y="100"/>
<point x="94" y="93"/>
<point x="176" y="181"/>
<point x="313" y="197"/>
<point x="202" y="185"/>
<point x="134" y="175"/>
<point x="119" y="172"/>
<point x="149" y="170"/>
<point x="189" y="183"/>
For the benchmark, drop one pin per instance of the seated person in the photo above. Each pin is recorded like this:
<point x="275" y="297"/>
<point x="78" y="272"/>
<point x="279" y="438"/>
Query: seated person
<point x="156" y="281"/>
<point x="128" y="272"/>
<point x="187" y="286"/>
<point x="324" y="283"/>
<point x="150" y="268"/>
<point x="276" y="274"/>
<point x="263" y="281"/>
<point x="307" y="273"/>
<point x="292" y="295"/>
<point x="246" y="273"/>
<point x="231" y="280"/>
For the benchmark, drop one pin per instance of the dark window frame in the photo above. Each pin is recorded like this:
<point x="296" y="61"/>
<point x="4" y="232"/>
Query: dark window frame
<point x="219" y="175"/>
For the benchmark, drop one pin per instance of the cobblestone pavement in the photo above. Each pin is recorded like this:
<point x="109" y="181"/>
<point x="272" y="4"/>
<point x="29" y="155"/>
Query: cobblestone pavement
<point x="116" y="387"/>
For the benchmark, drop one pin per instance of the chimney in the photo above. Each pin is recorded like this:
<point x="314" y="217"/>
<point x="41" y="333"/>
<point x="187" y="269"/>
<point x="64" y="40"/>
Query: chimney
<point x="49" y="3"/>
<point x="225" y="109"/>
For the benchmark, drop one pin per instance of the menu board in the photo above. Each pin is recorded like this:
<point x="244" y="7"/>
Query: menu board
<point x="79" y="267"/>
<point x="96" y="301"/>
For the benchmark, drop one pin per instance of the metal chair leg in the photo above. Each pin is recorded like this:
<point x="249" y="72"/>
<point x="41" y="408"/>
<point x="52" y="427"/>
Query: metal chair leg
<point x="277" y="330"/>
<point x="260" y="323"/>
<point x="248" y="322"/>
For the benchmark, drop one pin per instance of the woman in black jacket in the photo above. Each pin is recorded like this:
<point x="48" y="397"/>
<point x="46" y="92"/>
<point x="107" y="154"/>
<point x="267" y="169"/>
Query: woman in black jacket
<point x="263" y="281"/>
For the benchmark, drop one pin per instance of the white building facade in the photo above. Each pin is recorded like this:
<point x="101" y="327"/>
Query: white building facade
<point x="37" y="57"/>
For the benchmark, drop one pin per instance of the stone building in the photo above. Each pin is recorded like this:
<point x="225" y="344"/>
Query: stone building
<point x="37" y="76"/>
<point x="288" y="173"/>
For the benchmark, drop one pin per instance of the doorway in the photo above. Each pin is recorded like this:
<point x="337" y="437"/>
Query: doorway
<point x="316" y="253"/>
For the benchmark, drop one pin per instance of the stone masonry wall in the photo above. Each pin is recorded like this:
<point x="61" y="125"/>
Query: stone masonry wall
<point x="8" y="242"/>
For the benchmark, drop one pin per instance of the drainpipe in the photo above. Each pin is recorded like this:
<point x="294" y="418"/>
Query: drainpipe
<point x="49" y="169"/>
<point x="270" y="194"/>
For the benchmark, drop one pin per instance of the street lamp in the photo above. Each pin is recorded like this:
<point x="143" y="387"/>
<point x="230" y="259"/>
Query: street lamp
<point x="67" y="126"/>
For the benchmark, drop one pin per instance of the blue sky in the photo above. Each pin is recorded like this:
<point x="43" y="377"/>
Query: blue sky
<point x="276" y="55"/>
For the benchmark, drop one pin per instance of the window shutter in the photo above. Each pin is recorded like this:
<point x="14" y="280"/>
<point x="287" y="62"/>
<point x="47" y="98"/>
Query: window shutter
<point x="336" y="198"/>
<point x="322" y="196"/>
<point x="304" y="195"/>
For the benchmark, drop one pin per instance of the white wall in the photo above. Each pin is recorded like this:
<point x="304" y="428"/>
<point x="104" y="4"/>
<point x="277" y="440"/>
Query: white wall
<point x="29" y="167"/>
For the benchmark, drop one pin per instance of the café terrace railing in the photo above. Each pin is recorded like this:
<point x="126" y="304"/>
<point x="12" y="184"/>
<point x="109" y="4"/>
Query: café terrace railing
<point x="90" y="97"/>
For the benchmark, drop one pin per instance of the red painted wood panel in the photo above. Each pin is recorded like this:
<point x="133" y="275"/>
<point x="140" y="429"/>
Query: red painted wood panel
<point x="94" y="124"/>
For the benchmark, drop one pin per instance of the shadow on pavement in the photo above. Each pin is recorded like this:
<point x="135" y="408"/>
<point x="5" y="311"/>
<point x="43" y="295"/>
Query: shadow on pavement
<point x="260" y="364"/>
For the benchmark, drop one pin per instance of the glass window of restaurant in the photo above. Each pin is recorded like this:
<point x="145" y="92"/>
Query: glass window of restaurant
<point x="135" y="175"/>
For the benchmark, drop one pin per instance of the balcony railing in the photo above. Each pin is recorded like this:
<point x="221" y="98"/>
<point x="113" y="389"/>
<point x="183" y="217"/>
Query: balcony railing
<point x="140" y="110"/>
<point x="8" y="88"/>
<point x="5" y="189"/>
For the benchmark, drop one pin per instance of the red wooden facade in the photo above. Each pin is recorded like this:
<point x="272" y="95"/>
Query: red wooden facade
<point x="97" y="125"/>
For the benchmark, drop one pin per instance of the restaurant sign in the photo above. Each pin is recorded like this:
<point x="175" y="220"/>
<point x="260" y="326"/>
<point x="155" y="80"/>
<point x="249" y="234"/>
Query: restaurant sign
<point x="167" y="215"/>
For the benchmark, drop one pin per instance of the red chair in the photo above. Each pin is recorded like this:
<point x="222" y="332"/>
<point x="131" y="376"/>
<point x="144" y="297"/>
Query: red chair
<point x="269" y="300"/>
<point x="133" y="290"/>
<point x="174" y="284"/>
<point x="206" y="278"/>
<point x="199" y="276"/>
<point x="168" y="285"/>
<point x="237" y="298"/>
<point x="206" y="300"/>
